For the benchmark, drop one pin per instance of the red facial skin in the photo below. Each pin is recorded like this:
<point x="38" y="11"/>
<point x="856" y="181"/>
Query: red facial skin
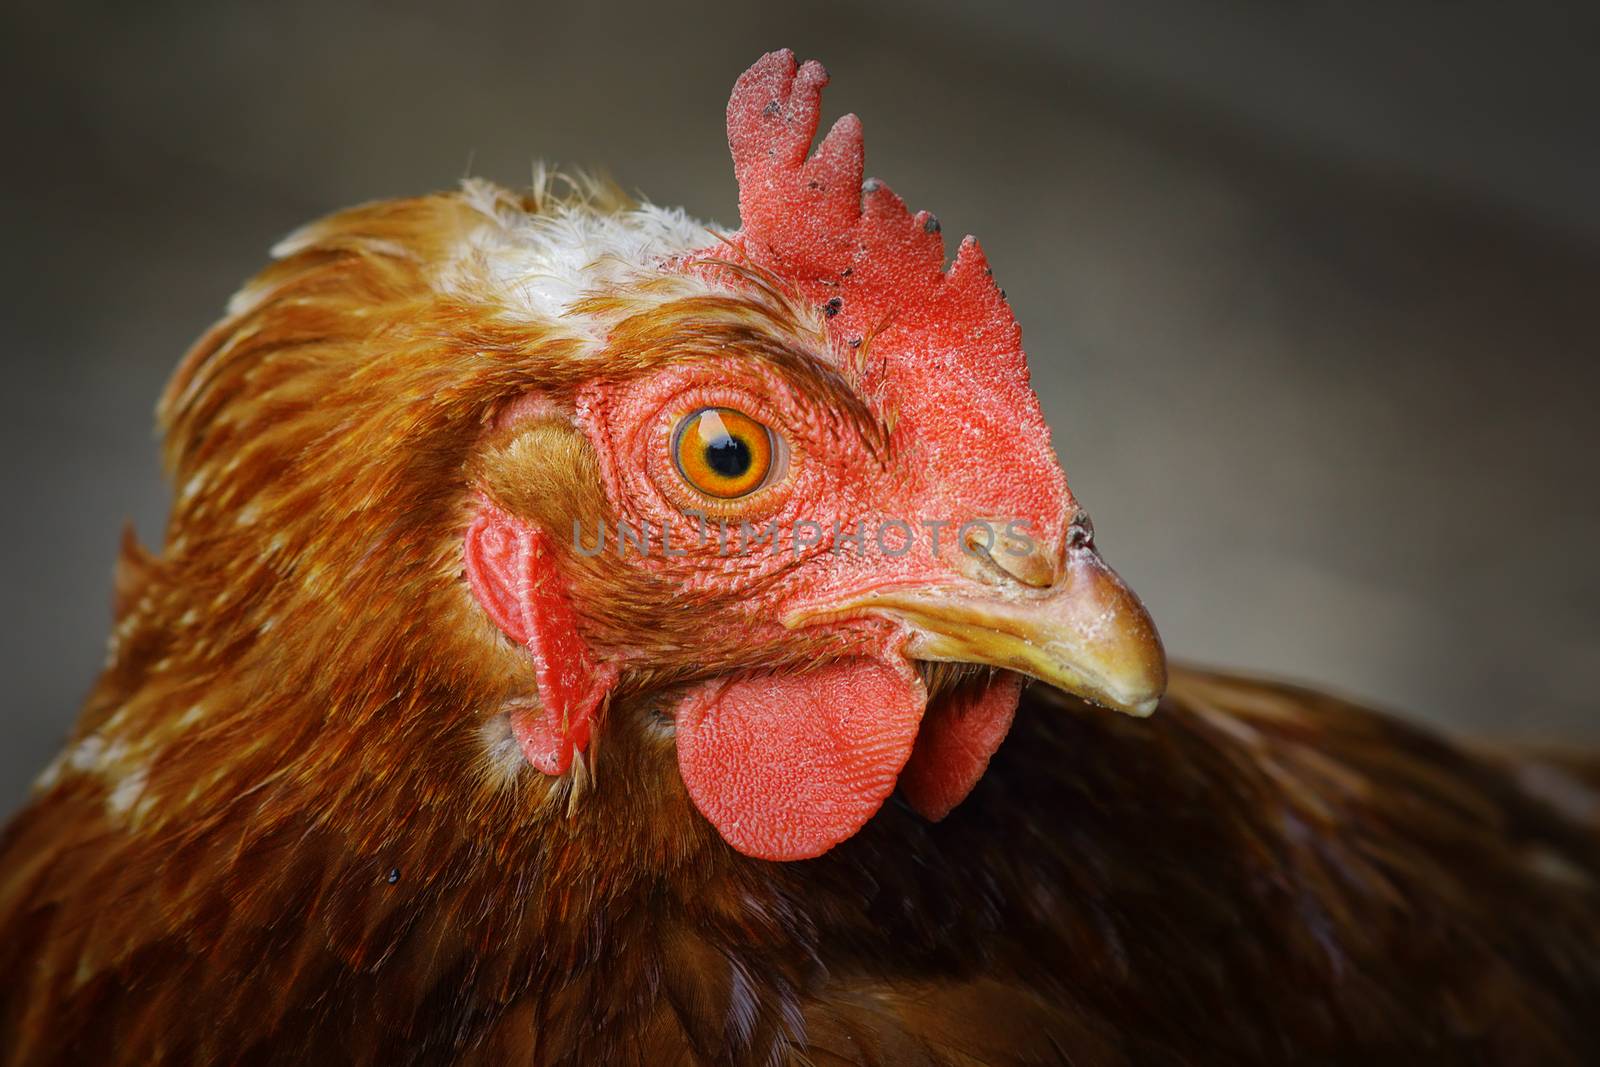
<point x="788" y="761"/>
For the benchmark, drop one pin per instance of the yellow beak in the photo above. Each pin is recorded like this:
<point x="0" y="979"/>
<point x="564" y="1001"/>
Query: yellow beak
<point x="1069" y="622"/>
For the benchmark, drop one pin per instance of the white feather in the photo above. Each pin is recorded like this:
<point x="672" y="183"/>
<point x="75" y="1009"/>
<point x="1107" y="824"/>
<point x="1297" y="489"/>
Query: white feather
<point x="538" y="265"/>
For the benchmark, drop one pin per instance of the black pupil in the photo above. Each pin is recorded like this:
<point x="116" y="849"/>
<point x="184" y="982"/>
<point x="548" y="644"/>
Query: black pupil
<point x="729" y="456"/>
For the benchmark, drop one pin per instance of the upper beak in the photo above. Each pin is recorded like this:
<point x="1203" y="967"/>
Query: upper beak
<point x="1061" y="616"/>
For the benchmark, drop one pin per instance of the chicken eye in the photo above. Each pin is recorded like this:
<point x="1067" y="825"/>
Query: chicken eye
<point x="722" y="452"/>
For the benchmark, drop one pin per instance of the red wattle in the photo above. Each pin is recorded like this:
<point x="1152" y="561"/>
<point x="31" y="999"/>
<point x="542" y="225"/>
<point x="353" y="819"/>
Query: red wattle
<point x="786" y="766"/>
<point x="959" y="734"/>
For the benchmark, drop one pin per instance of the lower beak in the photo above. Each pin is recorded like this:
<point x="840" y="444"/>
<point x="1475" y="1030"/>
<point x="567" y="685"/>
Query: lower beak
<point x="1085" y="632"/>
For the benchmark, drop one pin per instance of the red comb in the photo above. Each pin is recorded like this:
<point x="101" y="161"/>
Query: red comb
<point x="853" y="245"/>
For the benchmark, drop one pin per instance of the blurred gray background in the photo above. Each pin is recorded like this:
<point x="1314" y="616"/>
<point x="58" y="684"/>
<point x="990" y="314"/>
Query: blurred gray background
<point x="1309" y="289"/>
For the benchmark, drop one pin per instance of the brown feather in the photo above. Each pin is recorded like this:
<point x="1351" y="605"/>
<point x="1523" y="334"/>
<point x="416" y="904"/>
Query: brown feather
<point x="1253" y="875"/>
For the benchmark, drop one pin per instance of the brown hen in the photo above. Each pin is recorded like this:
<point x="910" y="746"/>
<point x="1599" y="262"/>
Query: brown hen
<point x="394" y="762"/>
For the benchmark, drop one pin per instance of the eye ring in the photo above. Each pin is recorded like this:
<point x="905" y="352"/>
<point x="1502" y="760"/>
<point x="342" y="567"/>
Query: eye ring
<point x="723" y="453"/>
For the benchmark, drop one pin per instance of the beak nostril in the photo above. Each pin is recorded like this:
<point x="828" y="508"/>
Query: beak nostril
<point x="1080" y="531"/>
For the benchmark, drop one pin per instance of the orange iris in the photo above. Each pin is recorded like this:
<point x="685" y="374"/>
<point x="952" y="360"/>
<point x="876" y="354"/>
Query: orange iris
<point x="722" y="452"/>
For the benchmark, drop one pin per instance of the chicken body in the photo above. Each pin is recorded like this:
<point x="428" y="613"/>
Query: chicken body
<point x="385" y="768"/>
<point x="1255" y="875"/>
